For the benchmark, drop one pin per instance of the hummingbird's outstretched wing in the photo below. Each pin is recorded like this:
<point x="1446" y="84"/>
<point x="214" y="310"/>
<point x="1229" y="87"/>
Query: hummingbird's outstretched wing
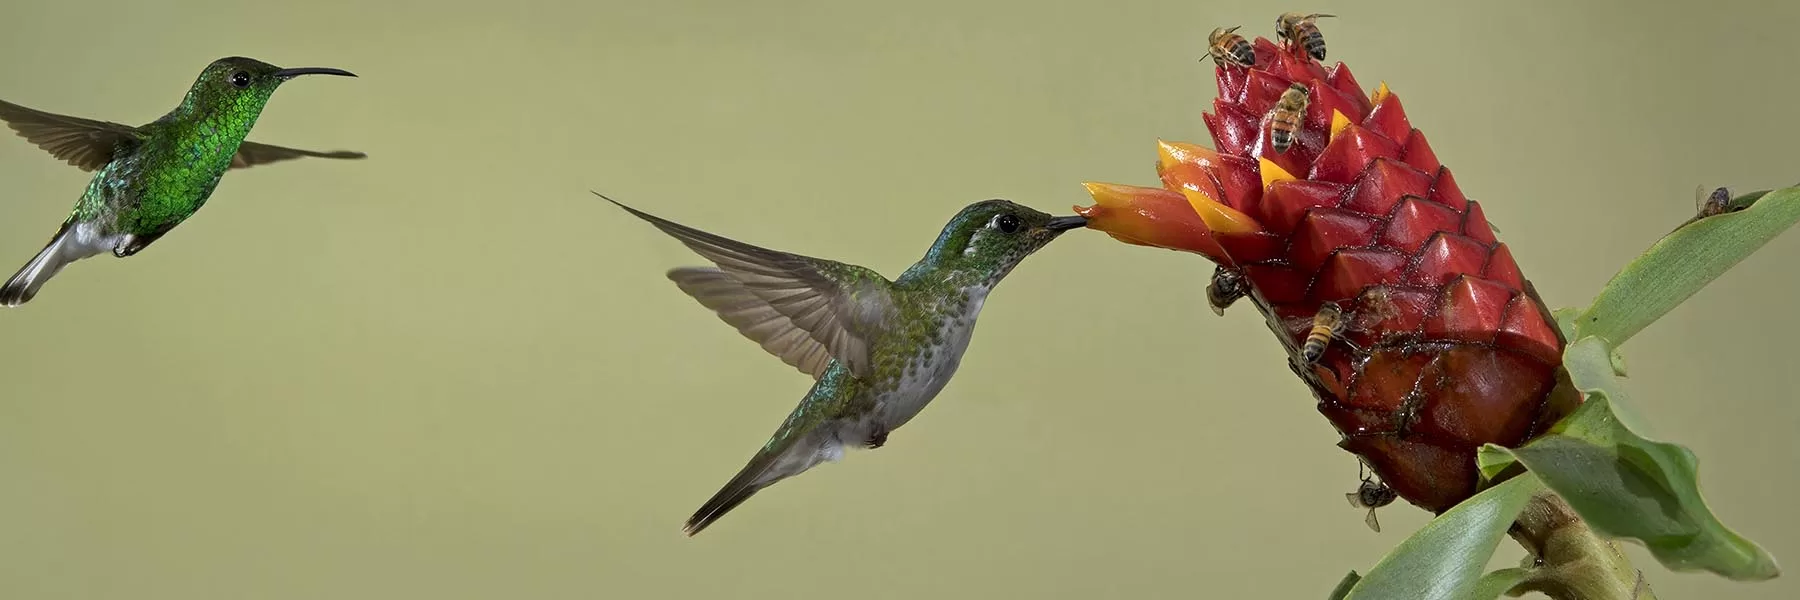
<point x="84" y="143"/>
<point x="754" y="317"/>
<point x="796" y="307"/>
<point x="250" y="154"/>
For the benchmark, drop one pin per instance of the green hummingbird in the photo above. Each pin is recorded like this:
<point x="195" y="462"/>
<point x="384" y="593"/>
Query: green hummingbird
<point x="878" y="350"/>
<point x="151" y="178"/>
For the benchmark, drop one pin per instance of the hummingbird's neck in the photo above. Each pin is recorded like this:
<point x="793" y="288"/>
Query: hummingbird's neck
<point x="953" y="261"/>
<point x="206" y="134"/>
<point x="949" y="275"/>
<point x="210" y="118"/>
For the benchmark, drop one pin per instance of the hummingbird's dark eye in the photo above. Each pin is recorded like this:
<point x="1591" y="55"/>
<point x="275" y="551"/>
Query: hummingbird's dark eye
<point x="240" y="79"/>
<point x="1008" y="224"/>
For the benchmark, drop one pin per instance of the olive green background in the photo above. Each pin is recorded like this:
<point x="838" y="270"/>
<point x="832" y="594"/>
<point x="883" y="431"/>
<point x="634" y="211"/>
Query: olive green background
<point x="449" y="372"/>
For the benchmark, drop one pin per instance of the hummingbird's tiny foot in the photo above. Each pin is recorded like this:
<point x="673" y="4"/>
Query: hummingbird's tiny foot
<point x="127" y="246"/>
<point x="877" y="440"/>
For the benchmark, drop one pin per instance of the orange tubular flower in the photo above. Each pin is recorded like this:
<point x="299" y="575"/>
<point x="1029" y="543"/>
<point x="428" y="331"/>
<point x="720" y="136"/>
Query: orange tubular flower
<point x="1446" y="346"/>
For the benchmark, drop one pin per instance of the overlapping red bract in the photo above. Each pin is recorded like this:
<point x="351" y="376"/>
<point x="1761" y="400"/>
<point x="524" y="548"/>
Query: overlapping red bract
<point x="1449" y="348"/>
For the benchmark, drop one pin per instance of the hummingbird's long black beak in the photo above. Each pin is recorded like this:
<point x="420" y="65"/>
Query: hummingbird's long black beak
<point x="1066" y="223"/>
<point x="296" y="72"/>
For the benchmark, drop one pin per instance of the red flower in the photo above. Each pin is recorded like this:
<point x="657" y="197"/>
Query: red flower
<point x="1446" y="347"/>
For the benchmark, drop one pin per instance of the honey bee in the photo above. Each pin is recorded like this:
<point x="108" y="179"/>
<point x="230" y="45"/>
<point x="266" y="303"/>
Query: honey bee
<point x="1227" y="47"/>
<point x="1334" y="323"/>
<point x="1284" y="119"/>
<point x="1371" y="495"/>
<point x="1298" y="28"/>
<point x="1227" y="287"/>
<point x="1716" y="203"/>
<point x="1327" y="324"/>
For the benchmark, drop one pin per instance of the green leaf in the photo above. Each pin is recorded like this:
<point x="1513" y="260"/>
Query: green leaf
<point x="1492" y="459"/>
<point x="1493" y="585"/>
<point x="1343" y="587"/>
<point x="1594" y="367"/>
<point x="1565" y="320"/>
<point x="1627" y="486"/>
<point x="1445" y="558"/>
<point x="1678" y="265"/>
<point x="1744" y="201"/>
<point x="1617" y="360"/>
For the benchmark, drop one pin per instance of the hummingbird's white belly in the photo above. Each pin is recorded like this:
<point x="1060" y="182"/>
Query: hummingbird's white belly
<point x="927" y="377"/>
<point x="88" y="240"/>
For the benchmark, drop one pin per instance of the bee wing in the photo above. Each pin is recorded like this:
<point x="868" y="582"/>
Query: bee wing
<point x="1301" y="324"/>
<point x="1370" y="520"/>
<point x="1354" y="501"/>
<point x="1365" y="320"/>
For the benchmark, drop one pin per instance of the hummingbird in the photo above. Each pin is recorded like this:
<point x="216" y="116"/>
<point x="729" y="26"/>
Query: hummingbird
<point x="878" y="350"/>
<point x="150" y="178"/>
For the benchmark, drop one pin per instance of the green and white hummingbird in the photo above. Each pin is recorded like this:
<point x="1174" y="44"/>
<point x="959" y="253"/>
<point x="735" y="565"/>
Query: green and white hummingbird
<point x="152" y="177"/>
<point x="878" y="350"/>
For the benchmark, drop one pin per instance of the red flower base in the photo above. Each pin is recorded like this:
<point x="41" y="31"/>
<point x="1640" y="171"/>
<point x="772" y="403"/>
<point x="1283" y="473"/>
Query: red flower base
<point x="1447" y="346"/>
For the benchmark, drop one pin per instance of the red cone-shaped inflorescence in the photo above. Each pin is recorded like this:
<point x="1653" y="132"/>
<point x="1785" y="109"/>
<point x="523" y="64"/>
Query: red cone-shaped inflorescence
<point x="1445" y="347"/>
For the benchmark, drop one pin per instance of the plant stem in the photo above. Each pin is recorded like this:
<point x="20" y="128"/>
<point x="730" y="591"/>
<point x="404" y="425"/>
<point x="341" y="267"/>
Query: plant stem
<point x="1568" y="560"/>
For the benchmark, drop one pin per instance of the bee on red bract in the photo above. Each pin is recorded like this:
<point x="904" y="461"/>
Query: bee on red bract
<point x="1299" y="29"/>
<point x="1226" y="47"/>
<point x="1446" y="346"/>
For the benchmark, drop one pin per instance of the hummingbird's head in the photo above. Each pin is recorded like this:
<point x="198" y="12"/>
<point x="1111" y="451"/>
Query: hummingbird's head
<point x="236" y="83"/>
<point x="992" y="236"/>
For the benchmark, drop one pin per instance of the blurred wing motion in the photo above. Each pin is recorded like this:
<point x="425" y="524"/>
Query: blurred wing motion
<point x="84" y="143"/>
<point x="89" y="144"/>
<point x="250" y="154"/>
<point x="804" y="310"/>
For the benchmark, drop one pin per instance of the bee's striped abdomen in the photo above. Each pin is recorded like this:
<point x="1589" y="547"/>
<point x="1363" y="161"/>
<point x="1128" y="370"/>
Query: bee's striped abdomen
<point x="1326" y="326"/>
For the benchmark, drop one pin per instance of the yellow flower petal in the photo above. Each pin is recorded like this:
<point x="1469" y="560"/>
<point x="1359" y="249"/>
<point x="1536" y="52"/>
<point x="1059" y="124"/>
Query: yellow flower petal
<point x="1171" y="153"/>
<point x="1339" y="123"/>
<point x="1114" y="194"/>
<point x="1219" y="218"/>
<point x="1381" y="93"/>
<point x="1272" y="172"/>
<point x="1149" y="216"/>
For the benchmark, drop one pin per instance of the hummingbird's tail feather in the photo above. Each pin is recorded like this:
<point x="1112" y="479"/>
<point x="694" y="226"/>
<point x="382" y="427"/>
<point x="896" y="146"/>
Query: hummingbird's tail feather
<point x="63" y="249"/>
<point x="768" y="467"/>
<point x="735" y="492"/>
